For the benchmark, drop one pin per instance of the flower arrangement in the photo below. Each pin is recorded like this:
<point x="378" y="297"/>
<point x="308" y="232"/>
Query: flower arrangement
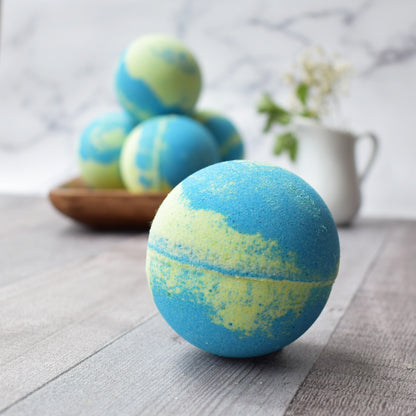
<point x="316" y="81"/>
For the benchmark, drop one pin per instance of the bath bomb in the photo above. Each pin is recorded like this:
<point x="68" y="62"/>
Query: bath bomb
<point x="157" y="75"/>
<point x="164" y="150"/>
<point x="241" y="258"/>
<point x="99" y="149"/>
<point x="225" y="133"/>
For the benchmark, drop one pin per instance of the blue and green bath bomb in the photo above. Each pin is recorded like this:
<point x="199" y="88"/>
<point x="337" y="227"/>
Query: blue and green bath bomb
<point x="99" y="149"/>
<point x="164" y="150"/>
<point x="241" y="258"/>
<point x="228" y="138"/>
<point x="157" y="75"/>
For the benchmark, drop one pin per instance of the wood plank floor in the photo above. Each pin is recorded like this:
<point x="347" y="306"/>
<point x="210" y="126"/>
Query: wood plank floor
<point x="369" y="364"/>
<point x="80" y="334"/>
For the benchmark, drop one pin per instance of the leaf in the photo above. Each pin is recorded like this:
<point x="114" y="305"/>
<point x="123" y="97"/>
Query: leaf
<point x="309" y="114"/>
<point x="302" y="92"/>
<point x="286" y="142"/>
<point x="265" y="105"/>
<point x="281" y="116"/>
<point x="275" y="113"/>
<point x="269" y="124"/>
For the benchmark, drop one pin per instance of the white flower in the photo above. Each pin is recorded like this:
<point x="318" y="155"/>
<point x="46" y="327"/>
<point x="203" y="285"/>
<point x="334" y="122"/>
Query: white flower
<point x="325" y="77"/>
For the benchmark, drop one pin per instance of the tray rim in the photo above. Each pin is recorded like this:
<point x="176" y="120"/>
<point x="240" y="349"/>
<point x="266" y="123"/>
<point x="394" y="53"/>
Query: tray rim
<point x="81" y="189"/>
<point x="116" y="207"/>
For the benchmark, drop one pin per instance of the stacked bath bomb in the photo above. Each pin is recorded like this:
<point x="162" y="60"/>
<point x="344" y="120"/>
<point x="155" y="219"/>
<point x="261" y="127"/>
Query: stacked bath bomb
<point x="158" y="138"/>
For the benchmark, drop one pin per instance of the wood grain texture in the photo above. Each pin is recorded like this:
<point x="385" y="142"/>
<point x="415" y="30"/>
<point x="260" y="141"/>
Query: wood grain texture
<point x="34" y="238"/>
<point x="149" y="369"/>
<point x="105" y="208"/>
<point x="369" y="364"/>
<point x="51" y="322"/>
<point x="65" y="292"/>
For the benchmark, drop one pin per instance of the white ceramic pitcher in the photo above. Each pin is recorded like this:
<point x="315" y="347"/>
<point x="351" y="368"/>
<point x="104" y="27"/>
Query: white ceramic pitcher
<point x="326" y="160"/>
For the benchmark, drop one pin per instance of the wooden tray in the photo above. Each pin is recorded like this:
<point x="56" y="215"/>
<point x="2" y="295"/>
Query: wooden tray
<point x="114" y="208"/>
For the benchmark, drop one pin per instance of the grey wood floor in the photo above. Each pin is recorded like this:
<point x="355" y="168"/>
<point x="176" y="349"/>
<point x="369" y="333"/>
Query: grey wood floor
<point x="80" y="334"/>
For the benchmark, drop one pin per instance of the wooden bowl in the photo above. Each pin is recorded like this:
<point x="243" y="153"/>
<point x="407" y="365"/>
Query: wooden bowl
<point x="102" y="208"/>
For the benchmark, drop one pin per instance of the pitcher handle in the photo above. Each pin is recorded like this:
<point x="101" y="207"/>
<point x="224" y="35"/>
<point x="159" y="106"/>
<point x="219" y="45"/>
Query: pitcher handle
<point x="374" y="151"/>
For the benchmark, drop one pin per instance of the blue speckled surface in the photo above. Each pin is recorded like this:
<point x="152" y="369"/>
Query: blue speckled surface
<point x="138" y="91"/>
<point x="114" y="126"/>
<point x="99" y="149"/>
<point x="157" y="75"/>
<point x="274" y="203"/>
<point x="164" y="150"/>
<point x="224" y="131"/>
<point x="241" y="258"/>
<point x="191" y="316"/>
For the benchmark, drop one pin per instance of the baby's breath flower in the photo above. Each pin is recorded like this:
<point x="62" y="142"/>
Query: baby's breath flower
<point x="289" y="78"/>
<point x="294" y="104"/>
<point x="324" y="76"/>
<point x="316" y="80"/>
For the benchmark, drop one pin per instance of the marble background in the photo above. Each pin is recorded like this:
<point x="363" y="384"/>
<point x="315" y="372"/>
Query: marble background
<point x="57" y="61"/>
